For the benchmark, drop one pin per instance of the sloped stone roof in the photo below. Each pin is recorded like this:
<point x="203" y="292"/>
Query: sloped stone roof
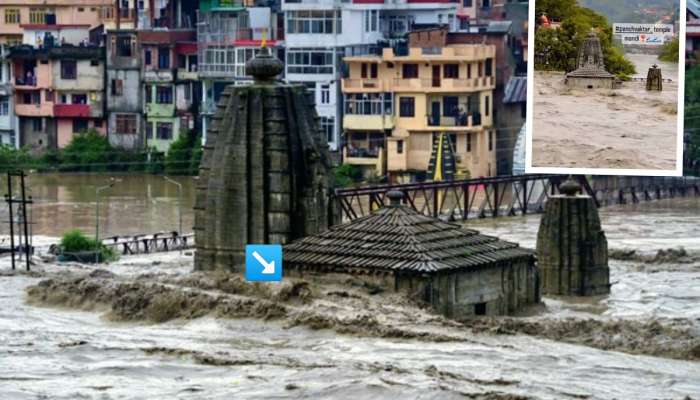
<point x="590" y="73"/>
<point x="398" y="238"/>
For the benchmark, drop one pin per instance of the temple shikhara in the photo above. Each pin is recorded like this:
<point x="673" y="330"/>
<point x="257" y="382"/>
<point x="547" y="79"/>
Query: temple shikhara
<point x="590" y="72"/>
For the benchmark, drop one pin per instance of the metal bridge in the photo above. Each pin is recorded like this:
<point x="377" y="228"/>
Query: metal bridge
<point x="507" y="195"/>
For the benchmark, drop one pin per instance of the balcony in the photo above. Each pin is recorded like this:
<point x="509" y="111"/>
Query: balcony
<point x="362" y="85"/>
<point x="185" y="74"/>
<point x="34" y="110"/>
<point x="158" y="75"/>
<point x="445" y="84"/>
<point x="71" y="110"/>
<point x="365" y="156"/>
<point x="368" y="122"/>
<point x="470" y="120"/>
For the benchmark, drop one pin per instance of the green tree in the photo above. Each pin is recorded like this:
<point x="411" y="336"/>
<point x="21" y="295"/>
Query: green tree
<point x="184" y="154"/>
<point x="692" y="118"/>
<point x="670" y="51"/>
<point x="557" y="49"/>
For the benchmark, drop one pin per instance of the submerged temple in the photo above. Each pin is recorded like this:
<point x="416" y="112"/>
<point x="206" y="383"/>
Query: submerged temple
<point x="654" y="79"/>
<point x="265" y="175"/>
<point x="458" y="271"/>
<point x="590" y="70"/>
<point x="572" y="251"/>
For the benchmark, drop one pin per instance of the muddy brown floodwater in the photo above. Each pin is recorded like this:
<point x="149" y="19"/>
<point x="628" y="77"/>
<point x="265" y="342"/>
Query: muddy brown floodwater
<point x="146" y="327"/>
<point x="136" y="204"/>
<point x="626" y="128"/>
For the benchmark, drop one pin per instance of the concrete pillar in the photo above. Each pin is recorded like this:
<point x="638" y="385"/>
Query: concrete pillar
<point x="572" y="249"/>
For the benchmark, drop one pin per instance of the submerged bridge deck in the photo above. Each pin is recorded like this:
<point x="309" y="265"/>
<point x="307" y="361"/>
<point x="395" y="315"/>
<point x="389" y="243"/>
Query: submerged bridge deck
<point x="508" y="195"/>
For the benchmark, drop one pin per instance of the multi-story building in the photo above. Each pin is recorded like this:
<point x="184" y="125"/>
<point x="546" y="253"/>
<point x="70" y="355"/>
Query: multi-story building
<point x="16" y="15"/>
<point x="51" y="102"/>
<point x="141" y="14"/>
<point x="125" y="126"/>
<point x="228" y="35"/>
<point x="319" y="33"/>
<point x="8" y="120"/>
<point x="163" y="52"/>
<point x="399" y="107"/>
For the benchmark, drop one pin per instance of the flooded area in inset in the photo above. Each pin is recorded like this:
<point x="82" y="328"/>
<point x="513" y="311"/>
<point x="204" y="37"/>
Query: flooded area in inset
<point x="98" y="339"/>
<point x="624" y="128"/>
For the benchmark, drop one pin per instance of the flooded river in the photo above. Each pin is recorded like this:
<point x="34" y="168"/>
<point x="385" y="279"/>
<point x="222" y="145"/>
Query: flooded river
<point x="136" y="204"/>
<point x="61" y="353"/>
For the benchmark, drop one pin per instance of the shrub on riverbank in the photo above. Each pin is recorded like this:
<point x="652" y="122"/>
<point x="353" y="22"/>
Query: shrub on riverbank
<point x="74" y="241"/>
<point x="669" y="52"/>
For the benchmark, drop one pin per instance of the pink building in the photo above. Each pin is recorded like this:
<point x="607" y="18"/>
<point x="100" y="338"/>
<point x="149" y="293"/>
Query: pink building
<point x="52" y="104"/>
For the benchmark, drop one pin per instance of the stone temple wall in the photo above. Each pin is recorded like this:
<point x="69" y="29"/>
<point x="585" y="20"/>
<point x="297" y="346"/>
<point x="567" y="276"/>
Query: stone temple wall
<point x="572" y="249"/>
<point x="265" y="175"/>
<point x="590" y="83"/>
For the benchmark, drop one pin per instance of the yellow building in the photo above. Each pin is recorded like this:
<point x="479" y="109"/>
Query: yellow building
<point x="398" y="107"/>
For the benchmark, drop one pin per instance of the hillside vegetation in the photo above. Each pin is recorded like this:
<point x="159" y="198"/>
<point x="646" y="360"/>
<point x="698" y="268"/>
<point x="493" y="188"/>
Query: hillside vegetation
<point x="557" y="49"/>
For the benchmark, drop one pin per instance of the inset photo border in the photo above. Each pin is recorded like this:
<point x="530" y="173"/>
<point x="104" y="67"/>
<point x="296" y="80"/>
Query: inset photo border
<point x="568" y="148"/>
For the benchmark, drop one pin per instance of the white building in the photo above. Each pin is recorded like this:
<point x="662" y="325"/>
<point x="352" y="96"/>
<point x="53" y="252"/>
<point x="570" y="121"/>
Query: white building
<point x="319" y="33"/>
<point x="8" y="120"/>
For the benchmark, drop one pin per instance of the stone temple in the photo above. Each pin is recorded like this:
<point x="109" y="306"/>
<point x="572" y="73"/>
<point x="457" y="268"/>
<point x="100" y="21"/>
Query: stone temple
<point x="572" y="251"/>
<point x="458" y="271"/>
<point x="265" y="175"/>
<point x="590" y="70"/>
<point x="654" y="78"/>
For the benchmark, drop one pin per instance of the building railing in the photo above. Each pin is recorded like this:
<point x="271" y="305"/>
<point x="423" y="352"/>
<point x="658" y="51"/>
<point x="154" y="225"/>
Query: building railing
<point x="445" y="83"/>
<point x="363" y="83"/>
<point x="465" y="119"/>
<point x="363" y="152"/>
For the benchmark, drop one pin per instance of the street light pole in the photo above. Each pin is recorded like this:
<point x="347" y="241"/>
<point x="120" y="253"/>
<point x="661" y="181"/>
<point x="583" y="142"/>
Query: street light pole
<point x="97" y="216"/>
<point x="179" y="206"/>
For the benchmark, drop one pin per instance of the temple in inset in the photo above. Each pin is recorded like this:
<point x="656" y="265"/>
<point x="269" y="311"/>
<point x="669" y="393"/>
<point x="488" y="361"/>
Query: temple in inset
<point x="590" y="70"/>
<point x="265" y="175"/>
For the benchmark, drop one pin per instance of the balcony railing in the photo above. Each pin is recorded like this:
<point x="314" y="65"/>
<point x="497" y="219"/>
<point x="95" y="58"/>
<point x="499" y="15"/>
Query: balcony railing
<point x="445" y="83"/>
<point x="349" y="83"/>
<point x="465" y="119"/>
<point x="72" y="110"/>
<point x="26" y="81"/>
<point x="359" y="152"/>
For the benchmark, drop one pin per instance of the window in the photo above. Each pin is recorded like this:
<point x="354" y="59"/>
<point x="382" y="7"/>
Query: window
<point x="117" y="87"/>
<point x="469" y="71"/>
<point x="328" y="128"/>
<point x="371" y="20"/>
<point x="49" y="96"/>
<point x="242" y="56"/>
<point x="410" y="71"/>
<point x="126" y="124"/>
<point x="79" y="98"/>
<point x="469" y="142"/>
<point x="94" y="63"/>
<point x="467" y="3"/>
<point x="69" y="69"/>
<point x="164" y="95"/>
<point x="490" y="140"/>
<point x="373" y="71"/>
<point x="399" y="146"/>
<point x="149" y="94"/>
<point x="449" y="106"/>
<point x="123" y="46"/>
<point x="407" y="107"/>
<point x="164" y="130"/>
<point x="147" y="57"/>
<point x="368" y="104"/>
<point x="451" y="71"/>
<point x="80" y="125"/>
<point x="325" y="94"/>
<point x="487" y="105"/>
<point x="37" y="16"/>
<point x="4" y="105"/>
<point x="489" y="66"/>
<point x="37" y="125"/>
<point x="314" y="21"/>
<point x="163" y="58"/>
<point x="310" y="61"/>
<point x="12" y="16"/>
<point x="363" y="73"/>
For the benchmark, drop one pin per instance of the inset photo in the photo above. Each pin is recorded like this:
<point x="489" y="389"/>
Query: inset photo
<point x="605" y="91"/>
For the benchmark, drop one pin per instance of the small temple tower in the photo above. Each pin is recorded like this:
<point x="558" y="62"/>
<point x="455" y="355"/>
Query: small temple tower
<point x="265" y="175"/>
<point x="590" y="70"/>
<point x="654" y="79"/>
<point x="572" y="250"/>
